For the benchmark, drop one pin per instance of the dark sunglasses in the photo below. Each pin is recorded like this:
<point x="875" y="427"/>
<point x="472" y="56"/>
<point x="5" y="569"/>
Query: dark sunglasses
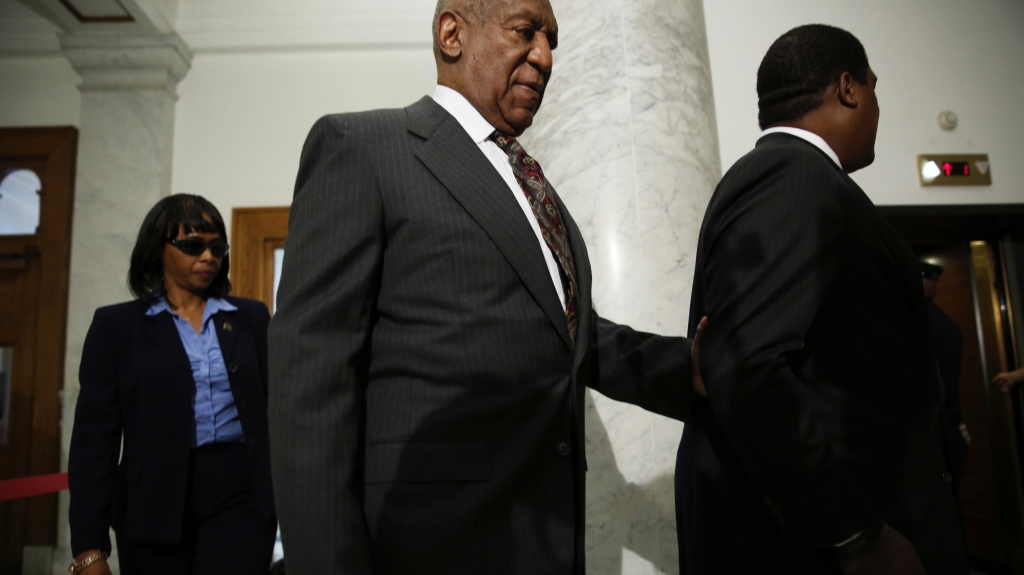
<point x="195" y="246"/>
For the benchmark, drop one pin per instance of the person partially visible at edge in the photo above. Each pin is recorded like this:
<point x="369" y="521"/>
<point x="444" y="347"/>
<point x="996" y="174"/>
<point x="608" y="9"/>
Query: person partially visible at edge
<point x="948" y="343"/>
<point x="179" y="376"/>
<point x="819" y="448"/>
<point x="435" y="331"/>
<point x="1008" y="379"/>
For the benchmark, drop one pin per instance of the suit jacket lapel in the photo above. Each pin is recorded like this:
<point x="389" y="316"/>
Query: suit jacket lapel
<point x="161" y="331"/>
<point x="469" y="177"/>
<point x="227" y="333"/>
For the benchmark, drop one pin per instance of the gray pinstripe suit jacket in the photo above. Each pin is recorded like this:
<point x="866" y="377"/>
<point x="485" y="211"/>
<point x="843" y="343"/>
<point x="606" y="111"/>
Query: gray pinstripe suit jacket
<point x="425" y="397"/>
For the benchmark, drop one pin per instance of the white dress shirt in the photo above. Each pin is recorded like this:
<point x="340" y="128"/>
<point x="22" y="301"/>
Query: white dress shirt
<point x="480" y="130"/>
<point x="810" y="137"/>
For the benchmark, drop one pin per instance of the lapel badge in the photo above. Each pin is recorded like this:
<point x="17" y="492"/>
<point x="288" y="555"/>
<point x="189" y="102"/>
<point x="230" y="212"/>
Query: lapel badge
<point x="227" y="326"/>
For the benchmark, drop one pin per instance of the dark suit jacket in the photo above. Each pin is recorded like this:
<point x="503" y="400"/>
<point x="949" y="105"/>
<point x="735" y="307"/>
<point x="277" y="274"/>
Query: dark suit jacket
<point x="137" y="384"/>
<point x="426" y="399"/>
<point x="823" y="402"/>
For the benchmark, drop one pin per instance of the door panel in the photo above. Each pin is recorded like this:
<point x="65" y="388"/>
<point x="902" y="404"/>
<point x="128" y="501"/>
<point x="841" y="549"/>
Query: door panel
<point x="969" y="292"/>
<point x="998" y="356"/>
<point x="954" y="296"/>
<point x="256" y="235"/>
<point x="33" y="316"/>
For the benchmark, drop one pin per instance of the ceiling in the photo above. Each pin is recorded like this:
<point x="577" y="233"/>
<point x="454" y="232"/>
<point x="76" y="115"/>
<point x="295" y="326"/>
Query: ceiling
<point x="31" y="26"/>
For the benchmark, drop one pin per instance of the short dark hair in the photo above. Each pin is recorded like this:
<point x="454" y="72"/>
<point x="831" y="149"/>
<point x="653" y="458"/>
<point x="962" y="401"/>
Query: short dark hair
<point x="800" y="65"/>
<point x="193" y="214"/>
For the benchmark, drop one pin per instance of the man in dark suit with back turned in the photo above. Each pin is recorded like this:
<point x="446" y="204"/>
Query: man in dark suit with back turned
<point x="819" y="448"/>
<point x="435" y="331"/>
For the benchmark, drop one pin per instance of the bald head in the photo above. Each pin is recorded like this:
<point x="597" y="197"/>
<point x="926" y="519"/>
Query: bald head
<point x="497" y="54"/>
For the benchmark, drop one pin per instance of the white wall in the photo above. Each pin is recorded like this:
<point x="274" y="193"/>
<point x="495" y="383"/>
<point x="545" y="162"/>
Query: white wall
<point x="38" y="91"/>
<point x="930" y="56"/>
<point x="242" y="118"/>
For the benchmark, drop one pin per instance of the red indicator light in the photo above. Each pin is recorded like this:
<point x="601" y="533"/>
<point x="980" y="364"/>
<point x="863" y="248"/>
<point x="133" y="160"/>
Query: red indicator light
<point x="956" y="169"/>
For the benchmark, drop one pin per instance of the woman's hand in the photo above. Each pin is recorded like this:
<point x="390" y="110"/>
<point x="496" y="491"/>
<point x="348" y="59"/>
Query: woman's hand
<point x="1008" y="379"/>
<point x="98" y="568"/>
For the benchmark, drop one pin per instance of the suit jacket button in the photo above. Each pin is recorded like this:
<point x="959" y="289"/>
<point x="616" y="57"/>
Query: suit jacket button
<point x="241" y="405"/>
<point x="233" y="367"/>
<point x="562" y="448"/>
<point x="947" y="477"/>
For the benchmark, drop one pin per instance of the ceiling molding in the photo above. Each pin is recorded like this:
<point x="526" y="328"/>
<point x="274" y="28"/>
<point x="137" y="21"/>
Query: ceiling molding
<point x="142" y="16"/>
<point x="123" y="16"/>
<point x="111" y="62"/>
<point x="243" y="25"/>
<point x="25" y="33"/>
<point x="213" y="26"/>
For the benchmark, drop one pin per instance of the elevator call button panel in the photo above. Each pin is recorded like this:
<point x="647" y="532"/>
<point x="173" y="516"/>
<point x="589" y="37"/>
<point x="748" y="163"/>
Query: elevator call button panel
<point x="954" y="170"/>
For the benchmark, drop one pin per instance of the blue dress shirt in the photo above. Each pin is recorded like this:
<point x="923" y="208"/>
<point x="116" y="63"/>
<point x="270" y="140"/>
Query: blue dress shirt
<point x="214" y="405"/>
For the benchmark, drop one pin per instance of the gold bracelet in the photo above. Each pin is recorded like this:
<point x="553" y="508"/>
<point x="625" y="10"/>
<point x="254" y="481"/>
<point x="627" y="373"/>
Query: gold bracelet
<point x="78" y="566"/>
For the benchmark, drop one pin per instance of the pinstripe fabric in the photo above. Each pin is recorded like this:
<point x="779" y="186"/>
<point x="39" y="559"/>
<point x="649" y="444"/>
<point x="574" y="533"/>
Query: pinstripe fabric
<point x="425" y="394"/>
<point x="419" y="391"/>
<point x="823" y="413"/>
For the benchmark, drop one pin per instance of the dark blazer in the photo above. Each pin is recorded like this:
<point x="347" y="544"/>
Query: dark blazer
<point x="426" y="399"/>
<point x="823" y="409"/>
<point x="137" y="383"/>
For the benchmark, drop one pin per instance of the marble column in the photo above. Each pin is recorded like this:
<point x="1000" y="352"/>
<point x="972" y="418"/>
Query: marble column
<point x="124" y="167"/>
<point x="627" y="136"/>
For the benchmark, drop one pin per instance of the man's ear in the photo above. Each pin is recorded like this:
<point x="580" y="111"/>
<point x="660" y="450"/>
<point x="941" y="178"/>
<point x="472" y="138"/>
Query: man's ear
<point x="450" y="27"/>
<point x="848" y="90"/>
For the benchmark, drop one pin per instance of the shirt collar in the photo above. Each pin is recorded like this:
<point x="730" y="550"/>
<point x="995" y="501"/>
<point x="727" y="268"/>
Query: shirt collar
<point x="809" y="137"/>
<point x="213" y="305"/>
<point x="468" y="117"/>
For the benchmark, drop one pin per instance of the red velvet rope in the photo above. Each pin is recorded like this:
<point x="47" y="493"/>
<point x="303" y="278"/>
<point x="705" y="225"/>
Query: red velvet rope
<point x="31" y="486"/>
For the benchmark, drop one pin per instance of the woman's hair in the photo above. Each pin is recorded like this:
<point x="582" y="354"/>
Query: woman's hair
<point x="193" y="214"/>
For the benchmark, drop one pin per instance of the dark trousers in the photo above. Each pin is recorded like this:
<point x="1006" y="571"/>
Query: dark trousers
<point x="224" y="532"/>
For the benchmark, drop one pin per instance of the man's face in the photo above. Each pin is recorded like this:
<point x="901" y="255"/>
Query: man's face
<point x="865" y="124"/>
<point x="508" y="61"/>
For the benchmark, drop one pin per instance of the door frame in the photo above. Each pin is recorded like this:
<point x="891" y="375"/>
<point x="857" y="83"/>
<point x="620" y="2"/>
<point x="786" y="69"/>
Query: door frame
<point x="57" y="149"/>
<point x="989" y="230"/>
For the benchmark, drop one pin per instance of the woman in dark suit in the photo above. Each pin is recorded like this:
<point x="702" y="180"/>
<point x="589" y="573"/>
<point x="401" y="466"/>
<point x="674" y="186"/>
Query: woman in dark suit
<point x="180" y="376"/>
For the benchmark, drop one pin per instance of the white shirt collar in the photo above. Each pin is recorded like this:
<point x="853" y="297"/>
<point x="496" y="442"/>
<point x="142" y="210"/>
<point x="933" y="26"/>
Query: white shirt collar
<point x="809" y="137"/>
<point x="468" y="117"/>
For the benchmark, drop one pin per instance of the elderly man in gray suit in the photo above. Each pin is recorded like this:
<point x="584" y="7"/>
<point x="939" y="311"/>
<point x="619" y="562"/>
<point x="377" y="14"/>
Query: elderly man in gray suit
<point x="435" y="331"/>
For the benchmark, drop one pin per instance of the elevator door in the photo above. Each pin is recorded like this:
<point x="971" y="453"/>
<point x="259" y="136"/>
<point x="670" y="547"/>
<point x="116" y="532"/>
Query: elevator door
<point x="970" y="291"/>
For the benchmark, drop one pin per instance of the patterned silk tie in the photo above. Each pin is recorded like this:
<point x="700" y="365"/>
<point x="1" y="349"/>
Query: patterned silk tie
<point x="538" y="193"/>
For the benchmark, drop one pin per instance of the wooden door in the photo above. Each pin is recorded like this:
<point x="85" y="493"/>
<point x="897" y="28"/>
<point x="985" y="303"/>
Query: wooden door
<point x="257" y="244"/>
<point x="34" y="265"/>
